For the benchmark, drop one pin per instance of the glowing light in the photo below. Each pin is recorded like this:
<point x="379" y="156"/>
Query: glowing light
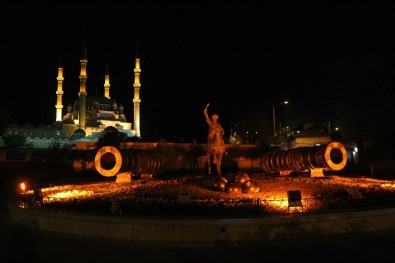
<point x="71" y="194"/>
<point x="22" y="186"/>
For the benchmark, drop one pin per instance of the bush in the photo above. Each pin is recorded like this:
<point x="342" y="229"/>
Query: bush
<point x="15" y="141"/>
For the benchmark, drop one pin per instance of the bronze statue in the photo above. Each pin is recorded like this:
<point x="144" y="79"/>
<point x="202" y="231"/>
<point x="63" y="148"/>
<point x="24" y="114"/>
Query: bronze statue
<point x="215" y="142"/>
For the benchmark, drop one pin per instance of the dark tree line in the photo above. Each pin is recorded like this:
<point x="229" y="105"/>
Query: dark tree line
<point x="363" y="105"/>
<point x="5" y="118"/>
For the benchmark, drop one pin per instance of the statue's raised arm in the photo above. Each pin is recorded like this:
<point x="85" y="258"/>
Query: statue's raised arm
<point x="205" y="113"/>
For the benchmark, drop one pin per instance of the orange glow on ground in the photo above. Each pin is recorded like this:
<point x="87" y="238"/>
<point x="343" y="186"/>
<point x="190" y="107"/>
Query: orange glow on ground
<point x="272" y="197"/>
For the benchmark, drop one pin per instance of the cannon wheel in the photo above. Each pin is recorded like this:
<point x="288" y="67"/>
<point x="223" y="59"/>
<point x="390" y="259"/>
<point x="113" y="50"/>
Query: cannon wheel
<point x="98" y="161"/>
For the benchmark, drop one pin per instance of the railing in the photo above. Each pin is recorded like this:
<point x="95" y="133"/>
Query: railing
<point x="228" y="207"/>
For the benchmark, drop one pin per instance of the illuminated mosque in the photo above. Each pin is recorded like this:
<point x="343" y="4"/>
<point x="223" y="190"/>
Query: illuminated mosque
<point x="94" y="114"/>
<point x="89" y="117"/>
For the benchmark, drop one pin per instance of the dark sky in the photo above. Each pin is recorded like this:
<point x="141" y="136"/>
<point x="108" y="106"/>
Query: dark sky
<point x="237" y="55"/>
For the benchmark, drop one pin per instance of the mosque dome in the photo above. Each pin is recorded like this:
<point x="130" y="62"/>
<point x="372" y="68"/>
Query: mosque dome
<point x="99" y="103"/>
<point x="68" y="121"/>
<point x="57" y="125"/>
<point x="79" y="133"/>
<point x="110" y="129"/>
<point x="27" y="125"/>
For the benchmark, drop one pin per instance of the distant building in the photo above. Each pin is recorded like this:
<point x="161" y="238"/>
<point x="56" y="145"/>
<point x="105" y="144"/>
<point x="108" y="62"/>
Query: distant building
<point x="89" y="116"/>
<point x="306" y="135"/>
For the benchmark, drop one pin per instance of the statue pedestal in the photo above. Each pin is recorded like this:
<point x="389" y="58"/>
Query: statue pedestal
<point x="202" y="163"/>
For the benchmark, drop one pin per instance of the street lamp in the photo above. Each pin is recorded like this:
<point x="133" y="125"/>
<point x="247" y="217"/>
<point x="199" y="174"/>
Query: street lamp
<point x="274" y="119"/>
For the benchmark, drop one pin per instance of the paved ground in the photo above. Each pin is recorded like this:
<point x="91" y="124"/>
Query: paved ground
<point x="18" y="244"/>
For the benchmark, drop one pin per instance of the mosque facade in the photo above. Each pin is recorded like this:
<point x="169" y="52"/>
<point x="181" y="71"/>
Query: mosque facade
<point x="90" y="115"/>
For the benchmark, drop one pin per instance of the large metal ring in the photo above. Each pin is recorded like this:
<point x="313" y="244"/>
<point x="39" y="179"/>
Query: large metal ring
<point x="118" y="161"/>
<point x="336" y="146"/>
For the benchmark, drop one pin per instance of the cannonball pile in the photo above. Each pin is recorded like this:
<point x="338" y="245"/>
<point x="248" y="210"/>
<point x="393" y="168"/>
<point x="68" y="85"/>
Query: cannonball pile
<point x="240" y="184"/>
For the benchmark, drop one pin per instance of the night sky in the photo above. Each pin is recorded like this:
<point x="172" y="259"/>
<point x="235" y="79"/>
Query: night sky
<point x="240" y="56"/>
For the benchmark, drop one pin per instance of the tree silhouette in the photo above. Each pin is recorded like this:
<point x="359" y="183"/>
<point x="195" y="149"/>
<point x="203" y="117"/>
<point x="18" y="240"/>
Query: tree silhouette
<point x="5" y="118"/>
<point x="362" y="102"/>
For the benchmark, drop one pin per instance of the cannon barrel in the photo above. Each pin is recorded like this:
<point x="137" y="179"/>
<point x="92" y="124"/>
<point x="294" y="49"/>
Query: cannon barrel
<point x="332" y="156"/>
<point x="109" y="161"/>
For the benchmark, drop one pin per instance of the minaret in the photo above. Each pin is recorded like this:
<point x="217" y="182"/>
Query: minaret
<point x="59" y="92"/>
<point x="136" y="100"/>
<point x="83" y="77"/>
<point x="107" y="84"/>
